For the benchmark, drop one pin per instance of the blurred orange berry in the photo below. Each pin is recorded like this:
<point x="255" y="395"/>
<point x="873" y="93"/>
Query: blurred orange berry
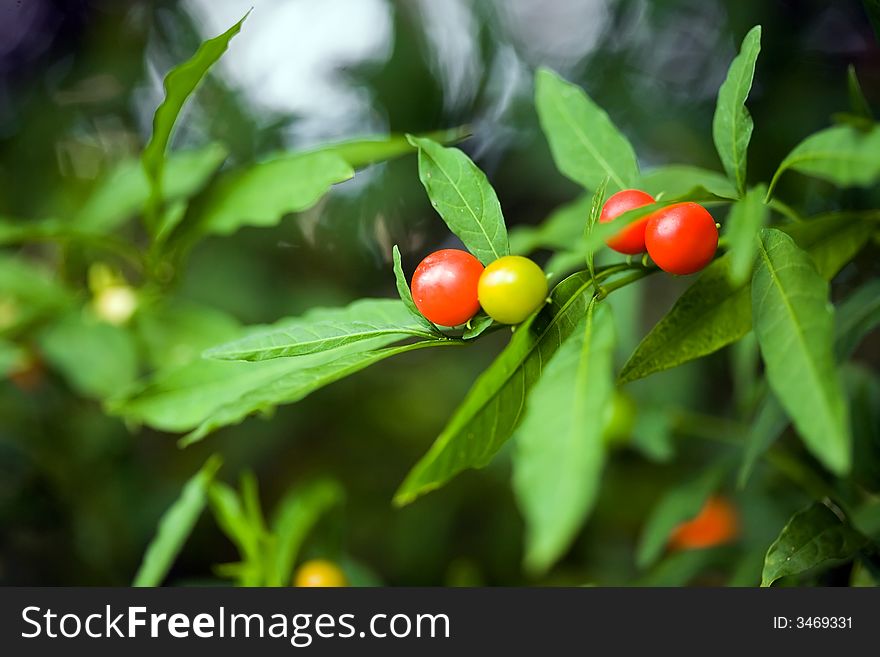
<point x="716" y="524"/>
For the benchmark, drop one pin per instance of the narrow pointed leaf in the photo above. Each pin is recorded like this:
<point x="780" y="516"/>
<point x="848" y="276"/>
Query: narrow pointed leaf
<point x="294" y="385"/>
<point x="713" y="312"/>
<point x="463" y="197"/>
<point x="857" y="101"/>
<point x="175" y="526"/>
<point x="494" y="405"/>
<point x="586" y="145"/>
<point x="732" y="125"/>
<point x="843" y="155"/>
<point x="559" y="453"/>
<point x="179" y="84"/>
<point x="327" y="329"/>
<point x="857" y="316"/>
<point x="794" y="324"/>
<point x="746" y="218"/>
<point x="812" y="538"/>
<point x="405" y="293"/>
<point x="295" y="516"/>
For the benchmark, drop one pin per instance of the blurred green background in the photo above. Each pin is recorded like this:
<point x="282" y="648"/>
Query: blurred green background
<point x="80" y="493"/>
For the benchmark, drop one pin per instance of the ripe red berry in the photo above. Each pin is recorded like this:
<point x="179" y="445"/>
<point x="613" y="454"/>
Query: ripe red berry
<point x="681" y="238"/>
<point x="631" y="239"/>
<point x="444" y="287"/>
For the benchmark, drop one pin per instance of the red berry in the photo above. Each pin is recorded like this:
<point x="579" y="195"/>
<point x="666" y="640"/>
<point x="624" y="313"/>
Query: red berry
<point x="444" y="287"/>
<point x="631" y="239"/>
<point x="681" y="238"/>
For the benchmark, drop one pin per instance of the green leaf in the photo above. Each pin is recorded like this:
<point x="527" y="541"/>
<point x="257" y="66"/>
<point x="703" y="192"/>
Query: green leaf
<point x="29" y="293"/>
<point x="175" y="526"/>
<point x="295" y="516"/>
<point x="595" y="212"/>
<point x="732" y="125"/>
<point x="404" y="292"/>
<point x="180" y="82"/>
<point x="463" y="197"/>
<point x="794" y="324"/>
<point x="122" y="193"/>
<point x="559" y="453"/>
<point x="843" y="155"/>
<point x="855" y="318"/>
<point x="812" y="538"/>
<point x="563" y="229"/>
<point x="678" y="505"/>
<point x="585" y="144"/>
<point x="326" y="329"/>
<point x="682" y="181"/>
<point x="746" y="218"/>
<point x="857" y="101"/>
<point x="714" y="312"/>
<point x="369" y="150"/>
<point x="97" y="360"/>
<point x="494" y="405"/>
<point x="248" y="538"/>
<point x="476" y="326"/>
<point x="295" y="384"/>
<point x="261" y="194"/>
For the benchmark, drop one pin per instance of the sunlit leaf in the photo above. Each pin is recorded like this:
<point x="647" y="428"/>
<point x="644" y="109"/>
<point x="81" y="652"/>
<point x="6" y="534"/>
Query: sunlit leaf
<point x="463" y="197"/>
<point x="326" y="329"/>
<point x="585" y="144"/>
<point x="732" y="125"/>
<point x="175" y="526"/>
<point x="364" y="151"/>
<point x="812" y="538"/>
<point x="559" y="453"/>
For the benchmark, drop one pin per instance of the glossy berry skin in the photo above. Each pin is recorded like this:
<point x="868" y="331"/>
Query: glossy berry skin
<point x="716" y="524"/>
<point x="631" y="239"/>
<point x="319" y="573"/>
<point x="512" y="288"/>
<point x="444" y="287"/>
<point x="681" y="238"/>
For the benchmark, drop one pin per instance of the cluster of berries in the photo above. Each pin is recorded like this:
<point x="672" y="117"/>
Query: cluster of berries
<point x="681" y="238"/>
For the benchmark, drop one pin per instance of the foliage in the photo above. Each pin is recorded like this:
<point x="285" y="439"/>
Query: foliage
<point x="183" y="368"/>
